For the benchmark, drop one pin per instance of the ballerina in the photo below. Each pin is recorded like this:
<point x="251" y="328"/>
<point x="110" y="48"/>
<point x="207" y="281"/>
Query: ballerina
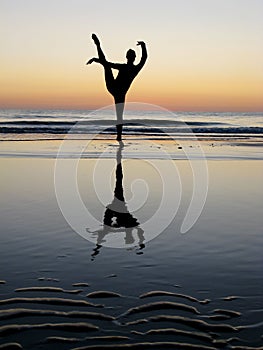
<point x="119" y="87"/>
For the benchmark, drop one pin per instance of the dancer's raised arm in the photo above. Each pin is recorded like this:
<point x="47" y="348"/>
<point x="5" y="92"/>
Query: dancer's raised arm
<point x="144" y="54"/>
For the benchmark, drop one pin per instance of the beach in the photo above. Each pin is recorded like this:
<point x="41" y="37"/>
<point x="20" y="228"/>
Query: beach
<point x="131" y="149"/>
<point x="167" y="290"/>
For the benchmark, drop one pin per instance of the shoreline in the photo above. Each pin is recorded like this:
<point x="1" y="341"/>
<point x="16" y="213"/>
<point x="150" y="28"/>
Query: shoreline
<point x="134" y="149"/>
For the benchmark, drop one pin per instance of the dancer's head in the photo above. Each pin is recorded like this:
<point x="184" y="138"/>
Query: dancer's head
<point x="130" y="55"/>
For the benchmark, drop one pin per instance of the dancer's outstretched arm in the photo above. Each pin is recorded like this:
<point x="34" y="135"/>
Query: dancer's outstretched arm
<point x="144" y="54"/>
<point x="110" y="64"/>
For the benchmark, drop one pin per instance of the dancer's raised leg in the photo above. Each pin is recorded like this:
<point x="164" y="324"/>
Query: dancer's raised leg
<point x="109" y="78"/>
<point x="101" y="55"/>
<point x="119" y="97"/>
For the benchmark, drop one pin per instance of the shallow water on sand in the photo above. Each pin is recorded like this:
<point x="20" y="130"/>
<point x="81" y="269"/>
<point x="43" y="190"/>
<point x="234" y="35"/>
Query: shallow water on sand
<point x="215" y="269"/>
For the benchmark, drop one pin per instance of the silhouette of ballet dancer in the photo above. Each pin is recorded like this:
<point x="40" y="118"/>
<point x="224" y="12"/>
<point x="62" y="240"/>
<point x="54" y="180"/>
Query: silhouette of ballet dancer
<point x="119" y="87"/>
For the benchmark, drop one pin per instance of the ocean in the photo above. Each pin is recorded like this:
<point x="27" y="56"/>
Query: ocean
<point x="147" y="124"/>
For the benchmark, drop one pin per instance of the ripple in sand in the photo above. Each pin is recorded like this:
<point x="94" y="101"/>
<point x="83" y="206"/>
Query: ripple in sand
<point x="80" y="284"/>
<point x="75" y="340"/>
<point x="109" y="338"/>
<point x="218" y="317"/>
<point x="198" y="324"/>
<point x="49" y="289"/>
<point x="160" y="305"/>
<point x="62" y="340"/>
<point x="155" y="293"/>
<point x="20" y="312"/>
<point x="11" y="346"/>
<point x="143" y="346"/>
<point x="194" y="323"/>
<point x="2" y="282"/>
<point x="52" y="301"/>
<point x="230" y="313"/>
<point x="174" y="331"/>
<point x="103" y="294"/>
<point x="133" y="323"/>
<point x="69" y="327"/>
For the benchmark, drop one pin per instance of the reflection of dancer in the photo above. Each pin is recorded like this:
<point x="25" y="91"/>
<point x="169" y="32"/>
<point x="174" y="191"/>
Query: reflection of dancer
<point x="117" y="217"/>
<point x="127" y="72"/>
<point x="116" y="214"/>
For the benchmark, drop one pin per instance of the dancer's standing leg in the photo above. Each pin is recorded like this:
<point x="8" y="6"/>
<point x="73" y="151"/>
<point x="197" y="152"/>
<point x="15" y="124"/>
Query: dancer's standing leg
<point x="119" y="105"/>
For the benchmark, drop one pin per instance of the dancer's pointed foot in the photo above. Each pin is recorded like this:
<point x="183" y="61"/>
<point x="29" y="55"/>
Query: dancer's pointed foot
<point x="95" y="39"/>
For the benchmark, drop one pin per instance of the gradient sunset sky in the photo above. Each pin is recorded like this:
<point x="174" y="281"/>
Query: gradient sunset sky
<point x="203" y="54"/>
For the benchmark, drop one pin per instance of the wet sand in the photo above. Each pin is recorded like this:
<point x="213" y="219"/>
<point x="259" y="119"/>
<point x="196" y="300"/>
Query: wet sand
<point x="198" y="290"/>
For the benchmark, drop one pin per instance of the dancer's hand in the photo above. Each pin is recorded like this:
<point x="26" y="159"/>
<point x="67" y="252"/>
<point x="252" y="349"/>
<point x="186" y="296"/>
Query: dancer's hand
<point x="140" y="43"/>
<point x="90" y="61"/>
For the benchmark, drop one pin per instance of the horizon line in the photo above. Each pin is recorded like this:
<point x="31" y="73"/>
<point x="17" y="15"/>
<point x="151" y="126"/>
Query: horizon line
<point x="131" y="109"/>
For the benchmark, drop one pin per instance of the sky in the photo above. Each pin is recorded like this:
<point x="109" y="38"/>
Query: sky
<point x="204" y="55"/>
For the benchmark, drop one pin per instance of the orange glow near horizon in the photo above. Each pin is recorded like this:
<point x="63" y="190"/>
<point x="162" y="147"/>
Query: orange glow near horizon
<point x="89" y="92"/>
<point x="180" y="94"/>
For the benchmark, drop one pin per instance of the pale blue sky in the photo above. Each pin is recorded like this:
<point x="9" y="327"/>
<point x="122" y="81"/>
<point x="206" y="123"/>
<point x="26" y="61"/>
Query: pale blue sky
<point x="184" y="37"/>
